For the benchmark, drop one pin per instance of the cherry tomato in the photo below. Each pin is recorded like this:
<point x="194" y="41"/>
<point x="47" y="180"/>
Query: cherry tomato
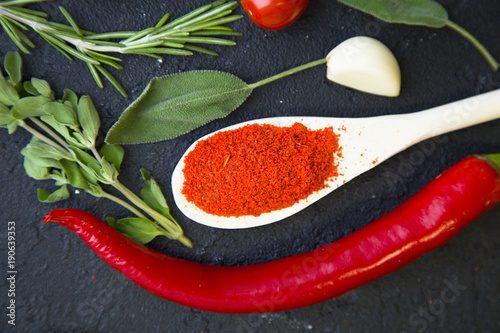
<point x="274" y="14"/>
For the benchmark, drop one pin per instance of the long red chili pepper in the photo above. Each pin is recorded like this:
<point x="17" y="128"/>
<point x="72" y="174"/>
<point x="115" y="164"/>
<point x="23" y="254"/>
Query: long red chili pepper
<point x="423" y="223"/>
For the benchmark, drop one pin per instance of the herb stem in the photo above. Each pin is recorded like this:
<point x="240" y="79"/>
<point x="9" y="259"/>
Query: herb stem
<point x="49" y="131"/>
<point x="174" y="230"/>
<point x="124" y="204"/>
<point x="489" y="58"/>
<point x="287" y="73"/>
<point x="43" y="138"/>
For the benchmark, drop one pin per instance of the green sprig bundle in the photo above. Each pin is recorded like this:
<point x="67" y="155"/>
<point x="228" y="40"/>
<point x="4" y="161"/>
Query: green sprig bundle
<point x="178" y="37"/>
<point x="63" y="149"/>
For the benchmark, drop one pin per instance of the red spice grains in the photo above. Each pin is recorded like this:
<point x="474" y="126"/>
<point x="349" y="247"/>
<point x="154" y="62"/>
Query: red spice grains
<point x="257" y="169"/>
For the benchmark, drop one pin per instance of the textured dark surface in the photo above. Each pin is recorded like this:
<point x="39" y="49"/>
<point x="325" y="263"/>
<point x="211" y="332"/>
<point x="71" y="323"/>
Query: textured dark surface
<point x="55" y="291"/>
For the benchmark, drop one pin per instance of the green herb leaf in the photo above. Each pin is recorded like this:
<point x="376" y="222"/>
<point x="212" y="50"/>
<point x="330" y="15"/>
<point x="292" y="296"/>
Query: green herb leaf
<point x="175" y="104"/>
<point x="12" y="64"/>
<point x="62" y="114"/>
<point x="8" y="94"/>
<point x="414" y="12"/>
<point x="140" y="230"/>
<point x="70" y="96"/>
<point x="62" y="130"/>
<point x="31" y="106"/>
<point x="41" y="161"/>
<point x="30" y="89"/>
<point x="88" y="163"/>
<point x="114" y="154"/>
<point x="58" y="195"/>
<point x="37" y="148"/>
<point x="42" y="87"/>
<point x="88" y="118"/>
<point x="108" y="171"/>
<point x="35" y="171"/>
<point x="153" y="196"/>
<point x="74" y="174"/>
<point x="5" y="116"/>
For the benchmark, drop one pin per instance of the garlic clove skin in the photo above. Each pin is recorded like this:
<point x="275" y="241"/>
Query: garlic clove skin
<point x="365" y="64"/>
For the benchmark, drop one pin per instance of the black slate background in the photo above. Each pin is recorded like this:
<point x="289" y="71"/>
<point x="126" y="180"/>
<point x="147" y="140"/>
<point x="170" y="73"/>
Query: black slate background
<point x="55" y="291"/>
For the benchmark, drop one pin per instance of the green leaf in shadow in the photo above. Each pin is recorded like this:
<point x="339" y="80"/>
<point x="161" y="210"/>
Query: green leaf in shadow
<point x="175" y="104"/>
<point x="113" y="154"/>
<point x="413" y="12"/>
<point x="12" y="64"/>
<point x="60" y="194"/>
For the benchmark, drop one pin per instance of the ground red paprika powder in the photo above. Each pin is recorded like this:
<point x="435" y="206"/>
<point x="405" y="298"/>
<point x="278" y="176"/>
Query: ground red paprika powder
<point x="257" y="168"/>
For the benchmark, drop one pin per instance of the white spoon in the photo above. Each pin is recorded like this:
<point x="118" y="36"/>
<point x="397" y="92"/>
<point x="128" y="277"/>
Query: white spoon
<point x="365" y="142"/>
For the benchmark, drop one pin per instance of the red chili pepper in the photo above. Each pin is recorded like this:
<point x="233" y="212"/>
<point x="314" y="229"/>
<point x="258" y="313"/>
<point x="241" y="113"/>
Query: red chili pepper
<point x="421" y="224"/>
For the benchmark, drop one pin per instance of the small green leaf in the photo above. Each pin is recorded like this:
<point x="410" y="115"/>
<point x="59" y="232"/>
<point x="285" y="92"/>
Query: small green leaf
<point x="140" y="230"/>
<point x="41" y="161"/>
<point x="175" y="104"/>
<point x="30" y="89"/>
<point x="88" y="118"/>
<point x="413" y="12"/>
<point x="42" y="87"/>
<point x="35" y="171"/>
<point x="31" y="106"/>
<point x="108" y="171"/>
<point x="151" y="194"/>
<point x="13" y="64"/>
<point x="8" y="94"/>
<point x="61" y="113"/>
<point x="60" y="194"/>
<point x="74" y="174"/>
<point x="114" y="154"/>
<point x="5" y="116"/>
<point x="12" y="126"/>
<point x="37" y="148"/>
<point x="88" y="163"/>
<point x="72" y="97"/>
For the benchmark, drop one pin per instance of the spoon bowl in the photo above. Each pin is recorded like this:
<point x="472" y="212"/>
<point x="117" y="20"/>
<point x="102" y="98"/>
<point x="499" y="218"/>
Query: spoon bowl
<point x="365" y="143"/>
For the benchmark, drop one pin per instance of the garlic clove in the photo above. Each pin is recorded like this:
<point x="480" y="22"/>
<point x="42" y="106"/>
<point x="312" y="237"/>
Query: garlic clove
<point x="365" y="64"/>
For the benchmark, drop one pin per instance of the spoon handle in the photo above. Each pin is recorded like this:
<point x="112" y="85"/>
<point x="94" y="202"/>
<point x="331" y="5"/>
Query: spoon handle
<point x="457" y="115"/>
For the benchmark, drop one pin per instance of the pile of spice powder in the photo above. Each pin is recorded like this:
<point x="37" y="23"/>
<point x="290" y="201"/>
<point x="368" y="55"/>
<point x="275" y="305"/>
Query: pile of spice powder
<point x="257" y="169"/>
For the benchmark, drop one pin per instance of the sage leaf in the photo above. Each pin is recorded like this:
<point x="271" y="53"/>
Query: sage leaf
<point x="60" y="194"/>
<point x="151" y="194"/>
<point x="175" y="104"/>
<point x="413" y="12"/>
<point x="139" y="230"/>
<point x="113" y="154"/>
<point x="88" y="118"/>
<point x="61" y="113"/>
<point x="31" y="106"/>
<point x="74" y="174"/>
<point x="42" y="87"/>
<point x="8" y="94"/>
<point x="12" y="64"/>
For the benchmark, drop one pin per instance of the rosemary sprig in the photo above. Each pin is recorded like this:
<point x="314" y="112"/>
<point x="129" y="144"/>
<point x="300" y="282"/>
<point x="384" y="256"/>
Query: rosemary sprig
<point x="178" y="37"/>
<point x="63" y="149"/>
